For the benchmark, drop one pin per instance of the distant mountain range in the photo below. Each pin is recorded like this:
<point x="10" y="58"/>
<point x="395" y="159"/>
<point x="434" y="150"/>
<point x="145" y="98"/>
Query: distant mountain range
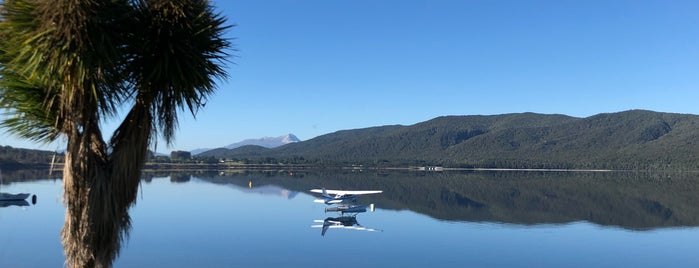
<point x="629" y="140"/>
<point x="266" y="142"/>
<point x="636" y="139"/>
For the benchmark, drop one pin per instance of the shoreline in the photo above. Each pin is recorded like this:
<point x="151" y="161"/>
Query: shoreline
<point x="150" y="166"/>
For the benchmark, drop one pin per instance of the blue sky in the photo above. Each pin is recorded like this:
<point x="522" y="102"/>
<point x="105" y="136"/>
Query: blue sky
<point x="316" y="67"/>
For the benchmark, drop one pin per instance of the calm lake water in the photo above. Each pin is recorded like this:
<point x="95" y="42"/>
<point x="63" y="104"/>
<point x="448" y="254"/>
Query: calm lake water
<point x="464" y="219"/>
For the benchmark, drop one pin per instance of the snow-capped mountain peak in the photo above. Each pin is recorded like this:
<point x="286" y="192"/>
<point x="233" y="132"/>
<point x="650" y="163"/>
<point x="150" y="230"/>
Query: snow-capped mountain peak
<point x="268" y="142"/>
<point x="289" y="138"/>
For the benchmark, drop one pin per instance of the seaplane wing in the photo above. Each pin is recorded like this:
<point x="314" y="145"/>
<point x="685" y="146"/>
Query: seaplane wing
<point x="343" y="192"/>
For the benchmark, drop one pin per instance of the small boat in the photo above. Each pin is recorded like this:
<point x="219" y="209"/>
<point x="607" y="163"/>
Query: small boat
<point x="13" y="197"/>
<point x="7" y="197"/>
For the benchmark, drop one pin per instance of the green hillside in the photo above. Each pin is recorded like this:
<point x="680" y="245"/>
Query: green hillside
<point x="637" y="139"/>
<point x="17" y="158"/>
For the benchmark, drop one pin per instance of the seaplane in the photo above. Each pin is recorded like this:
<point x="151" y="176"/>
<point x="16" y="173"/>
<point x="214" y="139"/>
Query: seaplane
<point x="344" y="222"/>
<point x="340" y="196"/>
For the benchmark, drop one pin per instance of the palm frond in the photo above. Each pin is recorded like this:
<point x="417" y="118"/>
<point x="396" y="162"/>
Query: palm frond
<point x="22" y="98"/>
<point x="177" y="55"/>
<point x="66" y="57"/>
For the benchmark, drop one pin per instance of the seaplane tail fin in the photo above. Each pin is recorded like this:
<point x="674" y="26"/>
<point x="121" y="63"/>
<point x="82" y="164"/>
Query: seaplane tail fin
<point x="325" y="192"/>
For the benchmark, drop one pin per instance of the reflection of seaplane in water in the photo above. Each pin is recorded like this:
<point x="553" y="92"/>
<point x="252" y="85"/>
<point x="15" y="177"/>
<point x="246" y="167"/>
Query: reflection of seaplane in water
<point x="340" y="196"/>
<point x="343" y="222"/>
<point x="346" y="203"/>
<point x="352" y="208"/>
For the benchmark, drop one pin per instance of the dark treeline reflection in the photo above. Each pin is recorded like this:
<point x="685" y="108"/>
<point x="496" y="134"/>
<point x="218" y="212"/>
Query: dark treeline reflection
<point x="626" y="199"/>
<point x="631" y="200"/>
<point x="23" y="175"/>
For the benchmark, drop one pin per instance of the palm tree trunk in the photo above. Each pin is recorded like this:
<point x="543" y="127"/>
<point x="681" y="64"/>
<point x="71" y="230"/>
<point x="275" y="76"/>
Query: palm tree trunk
<point x="98" y="191"/>
<point x="83" y="176"/>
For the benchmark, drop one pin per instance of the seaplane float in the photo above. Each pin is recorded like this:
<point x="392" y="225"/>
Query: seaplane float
<point x="346" y="203"/>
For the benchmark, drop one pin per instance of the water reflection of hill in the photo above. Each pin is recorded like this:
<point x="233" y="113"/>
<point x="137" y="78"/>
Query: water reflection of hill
<point x="22" y="175"/>
<point x="625" y="199"/>
<point x="628" y="200"/>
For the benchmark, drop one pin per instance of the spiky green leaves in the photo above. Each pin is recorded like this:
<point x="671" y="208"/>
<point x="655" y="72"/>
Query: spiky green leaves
<point x="66" y="63"/>
<point x="24" y="99"/>
<point x="178" y="48"/>
<point x="60" y="64"/>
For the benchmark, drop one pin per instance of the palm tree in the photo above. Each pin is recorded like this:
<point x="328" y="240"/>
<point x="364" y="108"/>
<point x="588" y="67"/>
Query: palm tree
<point x="66" y="65"/>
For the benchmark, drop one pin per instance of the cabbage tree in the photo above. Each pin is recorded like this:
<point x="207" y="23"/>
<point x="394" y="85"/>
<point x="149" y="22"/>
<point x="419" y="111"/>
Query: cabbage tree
<point x="66" y="66"/>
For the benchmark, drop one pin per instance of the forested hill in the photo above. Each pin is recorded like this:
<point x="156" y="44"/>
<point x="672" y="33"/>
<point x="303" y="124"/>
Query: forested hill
<point x="16" y="158"/>
<point x="637" y="139"/>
